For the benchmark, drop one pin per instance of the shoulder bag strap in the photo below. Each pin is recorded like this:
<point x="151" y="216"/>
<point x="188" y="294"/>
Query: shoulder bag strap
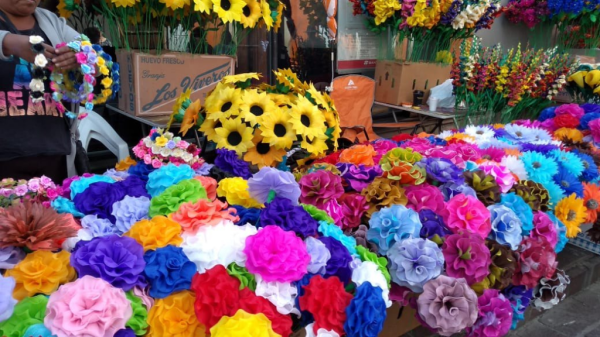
<point x="11" y="26"/>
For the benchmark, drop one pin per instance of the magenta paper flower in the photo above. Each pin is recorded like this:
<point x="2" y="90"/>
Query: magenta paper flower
<point x="447" y="305"/>
<point x="354" y="207"/>
<point x="276" y="255"/>
<point x="466" y="257"/>
<point x="595" y="129"/>
<point x="87" y="307"/>
<point x="334" y="210"/>
<point x="419" y="145"/>
<point x="468" y="213"/>
<point x="426" y="196"/>
<point x="544" y="227"/>
<point x="494" y="317"/>
<point x="446" y="153"/>
<point x="537" y="259"/>
<point x="382" y="147"/>
<point x="503" y="176"/>
<point x="570" y="109"/>
<point x="319" y="187"/>
<point x="468" y="152"/>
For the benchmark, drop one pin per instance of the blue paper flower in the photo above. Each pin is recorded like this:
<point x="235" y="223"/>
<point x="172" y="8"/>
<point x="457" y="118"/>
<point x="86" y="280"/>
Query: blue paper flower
<point x="520" y="298"/>
<point x="339" y="262"/>
<point x="555" y="192"/>
<point x="83" y="183"/>
<point x="541" y="148"/>
<point x="168" y="270"/>
<point x="584" y="122"/>
<point x="167" y="176"/>
<point x="38" y="330"/>
<point x="547" y="114"/>
<point x="392" y="224"/>
<point x="63" y="205"/>
<point x="590" y="107"/>
<point x="141" y="170"/>
<point x="247" y="215"/>
<point x="319" y="255"/>
<point x="506" y="226"/>
<point x="98" y="199"/>
<point x="568" y="183"/>
<point x="539" y="167"/>
<point x="366" y="313"/>
<point x="129" y="211"/>
<point x="228" y="161"/>
<point x="590" y="170"/>
<point x="97" y="226"/>
<point x="281" y="212"/>
<point x="521" y="209"/>
<point x="306" y="317"/>
<point x="335" y="232"/>
<point x="413" y="262"/>
<point x="449" y="190"/>
<point x="569" y="161"/>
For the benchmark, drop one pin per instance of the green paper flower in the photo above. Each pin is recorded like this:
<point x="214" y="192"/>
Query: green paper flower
<point x="247" y="280"/>
<point x="28" y="312"/>
<point x="381" y="262"/>
<point x="317" y="214"/>
<point x="138" y="321"/>
<point x="168" y="202"/>
<point x="397" y="155"/>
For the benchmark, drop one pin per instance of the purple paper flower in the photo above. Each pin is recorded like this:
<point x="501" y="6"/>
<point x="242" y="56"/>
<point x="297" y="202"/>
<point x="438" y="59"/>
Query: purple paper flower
<point x="414" y="262"/>
<point x="494" y="317"/>
<point x="129" y="211"/>
<point x="117" y="260"/>
<point x="319" y="255"/>
<point x="117" y="175"/>
<point x="97" y="226"/>
<point x="467" y="257"/>
<point x="339" y="263"/>
<point x="125" y="333"/>
<point x="98" y="199"/>
<point x="442" y="170"/>
<point x="433" y="225"/>
<point x="358" y="177"/>
<point x="273" y="181"/>
<point x="449" y="190"/>
<point x="134" y="187"/>
<point x="228" y="161"/>
<point x="10" y="256"/>
<point x="7" y="302"/>
<point x="281" y="212"/>
<point x="520" y="298"/>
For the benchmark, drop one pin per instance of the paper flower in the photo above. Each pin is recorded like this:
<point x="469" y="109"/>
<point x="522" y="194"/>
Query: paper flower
<point x="359" y="155"/>
<point x="246" y="279"/>
<point x="117" y="260"/>
<point x="281" y="295"/>
<point x="65" y="206"/>
<point x="369" y="272"/>
<point x="319" y="187"/>
<point x="426" y="196"/>
<point x="97" y="226"/>
<point x="335" y="232"/>
<point x="268" y="179"/>
<point x="537" y="259"/>
<point x="35" y="227"/>
<point x="502" y="268"/>
<point x="450" y="190"/>
<point x="442" y="170"/>
<point x="544" y="227"/>
<point x="494" y="318"/>
<point x="192" y="216"/>
<point x="221" y="244"/>
<point x="539" y="167"/>
<point x="366" y="312"/>
<point x="133" y="187"/>
<point x="228" y="161"/>
<point x="10" y="256"/>
<point x="27" y="312"/>
<point x="243" y="324"/>
<point x="88" y="306"/>
<point x="168" y="270"/>
<point x="319" y="291"/>
<point x="485" y="186"/>
<point x="413" y="262"/>
<point x="466" y="257"/>
<point x="468" y="213"/>
<point x="534" y="194"/>
<point x="168" y="202"/>
<point x="383" y="192"/>
<point x="520" y="298"/>
<point x="167" y="176"/>
<point x="247" y="215"/>
<point x="551" y="290"/>
<point x="41" y="272"/>
<point x="339" y="262"/>
<point x="393" y="224"/>
<point x="129" y="211"/>
<point x="98" y="199"/>
<point x="137" y="323"/>
<point x="319" y="255"/>
<point x="174" y="317"/>
<point x="253" y="304"/>
<point x="282" y="213"/>
<point x="506" y="226"/>
<point x="7" y="302"/>
<point x="358" y="177"/>
<point x="310" y="332"/>
<point x="79" y="185"/>
<point x="571" y="212"/>
<point x="276" y="255"/>
<point x="210" y="185"/>
<point x="155" y="233"/>
<point x="447" y="305"/>
<point x="38" y="330"/>
<point x="353" y="207"/>
<point x="433" y="225"/>
<point x="235" y="190"/>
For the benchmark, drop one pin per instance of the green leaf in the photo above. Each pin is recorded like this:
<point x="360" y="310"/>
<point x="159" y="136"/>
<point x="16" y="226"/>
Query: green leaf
<point x="593" y="18"/>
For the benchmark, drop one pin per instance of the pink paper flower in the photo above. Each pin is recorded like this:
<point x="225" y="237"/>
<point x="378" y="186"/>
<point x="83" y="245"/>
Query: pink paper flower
<point x="446" y="153"/>
<point x="417" y="144"/>
<point x="354" y="207"/>
<point x="503" y="176"/>
<point x="468" y="213"/>
<point x="81" y="58"/>
<point x="537" y="259"/>
<point x="466" y="257"/>
<point x="382" y="147"/>
<point x="595" y="129"/>
<point x="570" y="109"/>
<point x="334" y="210"/>
<point x="319" y="187"/>
<point x="87" y="307"/>
<point x="276" y="255"/>
<point x="426" y="196"/>
<point x="467" y="152"/>
<point x="494" y="317"/>
<point x="544" y="227"/>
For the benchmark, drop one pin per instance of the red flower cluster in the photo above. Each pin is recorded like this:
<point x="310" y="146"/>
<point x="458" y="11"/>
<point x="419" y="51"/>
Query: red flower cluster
<point x="331" y="291"/>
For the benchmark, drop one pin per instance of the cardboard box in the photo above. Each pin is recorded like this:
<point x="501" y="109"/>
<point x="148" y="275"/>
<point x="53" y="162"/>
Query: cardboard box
<point x="150" y="84"/>
<point x="397" y="80"/>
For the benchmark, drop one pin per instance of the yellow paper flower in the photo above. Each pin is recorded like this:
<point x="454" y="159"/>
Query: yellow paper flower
<point x="568" y="133"/>
<point x="233" y="79"/>
<point x="175" y="4"/>
<point x="572" y="212"/>
<point x="278" y="130"/>
<point x="161" y="141"/>
<point x="280" y="9"/>
<point x="235" y="190"/>
<point x="307" y="120"/>
<point x="266" y="14"/>
<point x="203" y="6"/>
<point x="190" y="117"/>
<point x="251" y="13"/>
<point x="228" y="10"/>
<point x="174" y="316"/>
<point x="125" y="164"/>
<point x="106" y="82"/>
<point x="208" y="128"/>
<point x="223" y="102"/>
<point x="263" y="154"/>
<point x="255" y="105"/>
<point x="316" y="146"/>
<point x="234" y="135"/>
<point x="385" y="9"/>
<point x="243" y="324"/>
<point x="156" y="233"/>
<point x="41" y="272"/>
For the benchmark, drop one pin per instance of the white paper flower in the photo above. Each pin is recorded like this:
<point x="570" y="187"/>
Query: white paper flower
<point x="187" y="157"/>
<point x="445" y="134"/>
<point x="82" y="235"/>
<point x="35" y="39"/>
<point x="319" y="255"/>
<point x="165" y="152"/>
<point x="321" y="333"/>
<point x="220" y="244"/>
<point x="36" y="85"/>
<point x="282" y="295"/>
<point x="480" y="133"/>
<point x="369" y="272"/>
<point x="516" y="166"/>
<point x="41" y="60"/>
<point x="178" y="153"/>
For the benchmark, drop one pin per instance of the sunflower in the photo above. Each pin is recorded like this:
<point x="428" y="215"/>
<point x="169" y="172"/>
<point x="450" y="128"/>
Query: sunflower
<point x="251" y="13"/>
<point x="223" y="102"/>
<point x="277" y="129"/>
<point x="282" y="100"/>
<point x="190" y="117"/>
<point x="332" y="120"/>
<point x="234" y="135"/>
<point x="203" y="6"/>
<point x="572" y="212"/>
<point x="263" y="154"/>
<point x="208" y="128"/>
<point x="308" y="121"/>
<point x="266" y="14"/>
<point x="316" y="146"/>
<point x="280" y="9"/>
<point x="288" y="78"/>
<point x="229" y="10"/>
<point x="254" y="105"/>
<point x="175" y="4"/>
<point x="124" y="3"/>
<point x="233" y="79"/>
<point x="316" y="97"/>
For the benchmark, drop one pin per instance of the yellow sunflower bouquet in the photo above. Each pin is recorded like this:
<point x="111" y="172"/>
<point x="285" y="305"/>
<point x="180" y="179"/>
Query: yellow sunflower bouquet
<point x="264" y="124"/>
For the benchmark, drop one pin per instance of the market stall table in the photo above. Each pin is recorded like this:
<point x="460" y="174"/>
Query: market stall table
<point x="423" y="114"/>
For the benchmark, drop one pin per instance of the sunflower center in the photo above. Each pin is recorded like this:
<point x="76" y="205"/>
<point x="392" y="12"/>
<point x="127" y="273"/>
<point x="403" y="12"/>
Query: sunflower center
<point x="234" y="138"/>
<point x="305" y="120"/>
<point x="225" y="4"/>
<point x="256" y="110"/>
<point x="263" y="148"/>
<point x="536" y="165"/>
<point x="279" y="130"/>
<point x="225" y="107"/>
<point x="246" y="11"/>
<point x="571" y="216"/>
<point x="592" y="204"/>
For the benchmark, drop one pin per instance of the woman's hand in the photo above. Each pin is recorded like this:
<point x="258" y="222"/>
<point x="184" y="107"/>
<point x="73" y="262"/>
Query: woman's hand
<point x="66" y="59"/>
<point x="19" y="46"/>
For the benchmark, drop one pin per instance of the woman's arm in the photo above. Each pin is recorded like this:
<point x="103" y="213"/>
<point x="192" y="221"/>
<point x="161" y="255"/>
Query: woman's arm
<point x="19" y="46"/>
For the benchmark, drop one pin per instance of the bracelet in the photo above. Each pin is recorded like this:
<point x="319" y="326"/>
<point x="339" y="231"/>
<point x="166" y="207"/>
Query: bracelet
<point x="38" y="76"/>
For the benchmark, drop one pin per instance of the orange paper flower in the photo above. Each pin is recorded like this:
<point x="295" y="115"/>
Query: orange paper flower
<point x="192" y="216"/>
<point x="210" y="185"/>
<point x="568" y="133"/>
<point x="359" y="154"/>
<point x="572" y="212"/>
<point x="41" y="272"/>
<point x="174" y="316"/>
<point x="513" y="152"/>
<point x="125" y="164"/>
<point x="591" y="198"/>
<point x="156" y="233"/>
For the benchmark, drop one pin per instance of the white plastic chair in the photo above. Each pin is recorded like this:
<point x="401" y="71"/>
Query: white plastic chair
<point x="94" y="126"/>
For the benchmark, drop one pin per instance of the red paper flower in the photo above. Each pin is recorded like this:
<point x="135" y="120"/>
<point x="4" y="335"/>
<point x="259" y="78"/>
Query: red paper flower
<point x="566" y="121"/>
<point x="402" y="137"/>
<point x="217" y="295"/>
<point x="252" y="304"/>
<point x="332" y="293"/>
<point x="537" y="259"/>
